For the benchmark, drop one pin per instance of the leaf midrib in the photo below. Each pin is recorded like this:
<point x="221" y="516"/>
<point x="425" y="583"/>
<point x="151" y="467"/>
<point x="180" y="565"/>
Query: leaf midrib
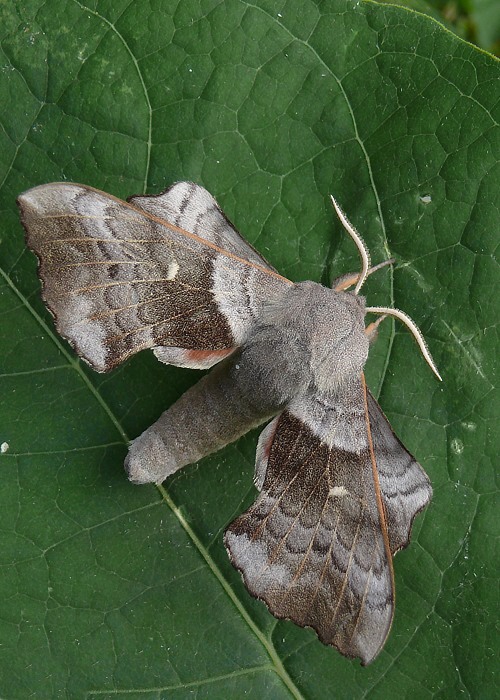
<point x="75" y="364"/>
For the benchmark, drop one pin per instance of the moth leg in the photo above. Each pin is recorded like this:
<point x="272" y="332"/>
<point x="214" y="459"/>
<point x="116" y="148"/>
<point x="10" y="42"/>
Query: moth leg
<point x="371" y="331"/>
<point x="340" y="284"/>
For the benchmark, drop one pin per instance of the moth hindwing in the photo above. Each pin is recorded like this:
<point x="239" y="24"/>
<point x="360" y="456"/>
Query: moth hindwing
<point x="338" y="492"/>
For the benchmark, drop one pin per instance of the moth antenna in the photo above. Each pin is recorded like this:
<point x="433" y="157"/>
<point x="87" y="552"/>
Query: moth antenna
<point x="360" y="244"/>
<point x="414" y="330"/>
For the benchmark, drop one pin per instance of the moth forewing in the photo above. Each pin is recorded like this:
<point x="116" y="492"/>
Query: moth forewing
<point x="119" y="277"/>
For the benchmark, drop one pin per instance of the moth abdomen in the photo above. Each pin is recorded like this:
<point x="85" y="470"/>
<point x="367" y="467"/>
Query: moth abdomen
<point x="213" y="413"/>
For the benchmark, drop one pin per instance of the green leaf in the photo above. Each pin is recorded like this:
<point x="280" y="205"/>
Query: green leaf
<point x="486" y="16"/>
<point x="477" y="21"/>
<point x="121" y="591"/>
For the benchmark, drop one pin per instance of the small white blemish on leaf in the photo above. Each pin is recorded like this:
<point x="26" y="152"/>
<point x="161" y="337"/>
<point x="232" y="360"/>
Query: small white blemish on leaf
<point x="173" y="269"/>
<point x="4" y="447"/>
<point x="457" y="446"/>
<point x="338" y="492"/>
<point x="426" y="199"/>
<point x="82" y="53"/>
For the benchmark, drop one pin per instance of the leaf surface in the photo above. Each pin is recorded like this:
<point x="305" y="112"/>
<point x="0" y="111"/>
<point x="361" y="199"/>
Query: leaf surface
<point x="113" y="590"/>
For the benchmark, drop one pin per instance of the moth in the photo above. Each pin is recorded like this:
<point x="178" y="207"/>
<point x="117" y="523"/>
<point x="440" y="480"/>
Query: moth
<point x="338" y="492"/>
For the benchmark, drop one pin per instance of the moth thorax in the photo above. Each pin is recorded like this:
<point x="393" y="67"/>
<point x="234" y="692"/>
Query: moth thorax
<point x="339" y="344"/>
<point x="323" y="330"/>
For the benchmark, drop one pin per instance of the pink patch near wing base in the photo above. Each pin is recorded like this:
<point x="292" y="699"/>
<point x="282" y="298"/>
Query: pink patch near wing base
<point x="193" y="359"/>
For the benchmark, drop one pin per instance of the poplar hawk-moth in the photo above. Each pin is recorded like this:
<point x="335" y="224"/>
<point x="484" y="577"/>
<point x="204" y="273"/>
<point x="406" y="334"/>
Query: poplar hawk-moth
<point x="338" y="492"/>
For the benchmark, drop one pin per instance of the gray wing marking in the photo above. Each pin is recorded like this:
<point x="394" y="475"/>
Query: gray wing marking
<point x="191" y="207"/>
<point x="405" y="487"/>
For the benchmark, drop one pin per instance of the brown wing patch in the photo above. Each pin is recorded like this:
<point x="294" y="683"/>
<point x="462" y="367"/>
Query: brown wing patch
<point x="312" y="545"/>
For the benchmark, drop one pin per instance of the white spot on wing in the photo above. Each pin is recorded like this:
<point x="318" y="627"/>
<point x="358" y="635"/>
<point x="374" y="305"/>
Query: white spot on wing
<point x="173" y="269"/>
<point x="338" y="492"/>
<point x="4" y="447"/>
